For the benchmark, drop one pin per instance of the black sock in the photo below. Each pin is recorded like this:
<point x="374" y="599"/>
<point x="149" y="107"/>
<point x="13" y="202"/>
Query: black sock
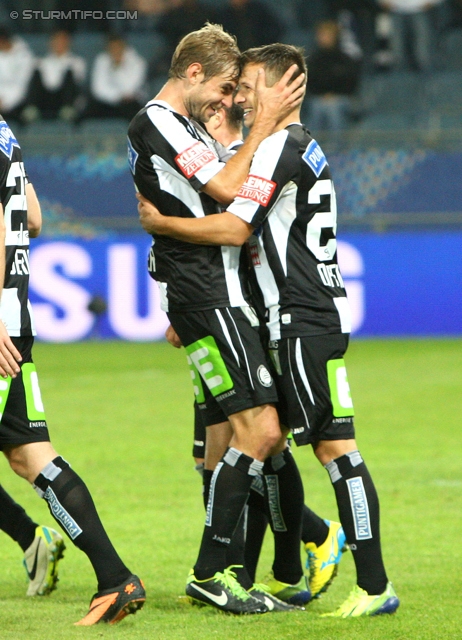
<point x="285" y="503"/>
<point x="236" y="549"/>
<point x="257" y="523"/>
<point x="15" y="522"/>
<point x="71" y="505"/>
<point x="358" y="506"/>
<point x="314" y="528"/>
<point x="228" y="495"/>
<point x="206" y="480"/>
<point x="235" y="554"/>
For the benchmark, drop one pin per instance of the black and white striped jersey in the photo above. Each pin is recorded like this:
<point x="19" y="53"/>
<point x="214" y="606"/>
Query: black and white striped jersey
<point x="15" y="308"/>
<point x="171" y="159"/>
<point x="289" y="198"/>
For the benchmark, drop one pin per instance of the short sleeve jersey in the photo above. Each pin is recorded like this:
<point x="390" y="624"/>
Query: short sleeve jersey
<point x="289" y="198"/>
<point x="15" y="308"/>
<point x="171" y="159"/>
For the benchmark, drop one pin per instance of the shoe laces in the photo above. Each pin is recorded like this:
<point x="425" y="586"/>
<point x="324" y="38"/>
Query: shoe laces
<point x="354" y="596"/>
<point x="228" y="579"/>
<point x="259" y="586"/>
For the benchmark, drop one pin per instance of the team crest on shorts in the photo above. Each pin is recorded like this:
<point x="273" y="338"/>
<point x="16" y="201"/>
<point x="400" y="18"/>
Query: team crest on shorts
<point x="264" y="376"/>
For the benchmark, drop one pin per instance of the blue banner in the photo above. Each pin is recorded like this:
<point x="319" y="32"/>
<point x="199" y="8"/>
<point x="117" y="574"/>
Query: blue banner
<point x="398" y="284"/>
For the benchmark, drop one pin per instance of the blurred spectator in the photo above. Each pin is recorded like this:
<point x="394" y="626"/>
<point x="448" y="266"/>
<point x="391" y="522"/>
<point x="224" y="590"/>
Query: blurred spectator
<point x="117" y="82"/>
<point x="252" y="22"/>
<point x="383" y="55"/>
<point x="183" y="17"/>
<point x="360" y="14"/>
<point x="309" y="14"/>
<point x="414" y="31"/>
<point x="333" y="78"/>
<point x="16" y="68"/>
<point x="88" y="24"/>
<point x="57" y="82"/>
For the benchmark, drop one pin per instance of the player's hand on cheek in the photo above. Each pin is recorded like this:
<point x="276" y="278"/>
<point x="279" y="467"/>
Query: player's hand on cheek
<point x="282" y="98"/>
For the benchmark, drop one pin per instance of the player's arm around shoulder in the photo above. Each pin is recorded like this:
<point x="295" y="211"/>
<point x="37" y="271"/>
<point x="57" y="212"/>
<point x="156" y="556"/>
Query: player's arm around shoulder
<point x="216" y="229"/>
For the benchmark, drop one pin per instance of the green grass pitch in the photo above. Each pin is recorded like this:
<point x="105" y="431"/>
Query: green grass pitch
<point x="122" y="413"/>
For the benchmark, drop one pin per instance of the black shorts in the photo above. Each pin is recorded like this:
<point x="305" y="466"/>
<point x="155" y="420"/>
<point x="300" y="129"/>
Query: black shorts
<point x="315" y="401"/>
<point x="22" y="414"/>
<point x="229" y="367"/>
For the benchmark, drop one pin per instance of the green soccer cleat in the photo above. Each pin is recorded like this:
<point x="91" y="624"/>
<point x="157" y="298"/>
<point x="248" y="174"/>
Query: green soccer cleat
<point x="360" y="603"/>
<point x="322" y="562"/>
<point x="112" y="605"/>
<point x="41" y="561"/>
<point x="297" y="594"/>
<point x="224" y="592"/>
<point x="261" y="592"/>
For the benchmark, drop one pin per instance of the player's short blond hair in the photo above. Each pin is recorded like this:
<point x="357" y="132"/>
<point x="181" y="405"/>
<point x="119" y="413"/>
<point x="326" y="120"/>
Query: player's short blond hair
<point x="212" y="47"/>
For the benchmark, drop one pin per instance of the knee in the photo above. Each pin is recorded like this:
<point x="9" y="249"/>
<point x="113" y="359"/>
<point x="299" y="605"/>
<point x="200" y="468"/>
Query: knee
<point x="328" y="450"/>
<point x="17" y="461"/>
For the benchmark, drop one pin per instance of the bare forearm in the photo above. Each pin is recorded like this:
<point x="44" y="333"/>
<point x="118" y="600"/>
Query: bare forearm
<point x="218" y="229"/>
<point x="225" y="185"/>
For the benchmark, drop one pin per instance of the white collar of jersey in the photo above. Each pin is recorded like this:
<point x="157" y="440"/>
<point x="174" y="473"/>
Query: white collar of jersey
<point x="291" y="124"/>
<point x="162" y="103"/>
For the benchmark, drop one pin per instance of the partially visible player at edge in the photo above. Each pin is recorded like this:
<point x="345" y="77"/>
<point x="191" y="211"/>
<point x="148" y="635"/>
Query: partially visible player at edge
<point x="289" y="198"/>
<point x="176" y="164"/>
<point x="24" y="436"/>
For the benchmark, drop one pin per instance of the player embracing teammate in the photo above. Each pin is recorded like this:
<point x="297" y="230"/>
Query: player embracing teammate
<point x="286" y="210"/>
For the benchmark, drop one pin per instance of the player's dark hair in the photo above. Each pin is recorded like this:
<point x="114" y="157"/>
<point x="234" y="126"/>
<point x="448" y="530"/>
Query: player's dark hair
<point x="212" y="47"/>
<point x="276" y="59"/>
<point x="235" y="116"/>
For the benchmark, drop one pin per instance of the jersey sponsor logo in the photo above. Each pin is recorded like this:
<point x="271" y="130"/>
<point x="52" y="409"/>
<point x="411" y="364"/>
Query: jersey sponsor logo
<point x="315" y="158"/>
<point x="132" y="156"/>
<point x="254" y="255"/>
<point x="264" y="376"/>
<point x="257" y="189"/>
<point x="194" y="158"/>
<point x="360" y="508"/>
<point x="7" y="140"/>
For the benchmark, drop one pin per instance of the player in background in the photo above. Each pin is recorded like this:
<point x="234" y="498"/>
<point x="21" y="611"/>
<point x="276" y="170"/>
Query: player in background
<point x="287" y="211"/>
<point x="24" y="436"/>
<point x="176" y="164"/>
